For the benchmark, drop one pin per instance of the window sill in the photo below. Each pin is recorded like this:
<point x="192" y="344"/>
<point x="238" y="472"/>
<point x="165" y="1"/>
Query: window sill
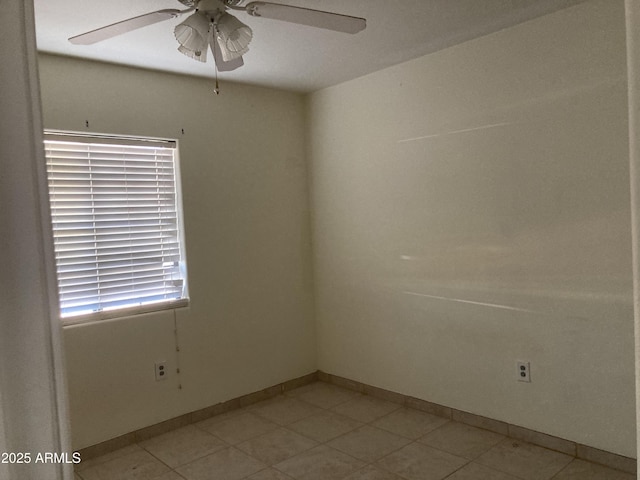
<point x="124" y="312"/>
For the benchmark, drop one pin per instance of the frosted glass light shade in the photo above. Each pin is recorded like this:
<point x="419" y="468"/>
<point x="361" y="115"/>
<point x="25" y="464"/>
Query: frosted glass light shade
<point x="233" y="37"/>
<point x="199" y="55"/>
<point x="192" y="34"/>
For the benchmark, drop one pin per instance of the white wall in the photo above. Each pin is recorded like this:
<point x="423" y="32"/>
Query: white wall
<point x="471" y="209"/>
<point x="632" y="17"/>
<point x="33" y="408"/>
<point x="250" y="323"/>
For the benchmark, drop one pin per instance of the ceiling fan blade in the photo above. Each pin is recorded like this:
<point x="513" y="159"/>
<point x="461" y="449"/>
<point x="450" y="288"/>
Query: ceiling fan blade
<point x="125" y="26"/>
<point x="221" y="65"/>
<point x="230" y="65"/>
<point x="306" y="16"/>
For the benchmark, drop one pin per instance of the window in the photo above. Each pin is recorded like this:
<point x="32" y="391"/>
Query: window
<point x="116" y="215"/>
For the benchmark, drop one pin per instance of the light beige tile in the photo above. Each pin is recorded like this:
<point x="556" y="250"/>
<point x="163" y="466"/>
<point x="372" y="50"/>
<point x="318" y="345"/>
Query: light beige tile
<point x="300" y="381"/>
<point x="221" y="417"/>
<point x="319" y="463"/>
<point x="217" y="410"/>
<point x="346" y="383"/>
<point x="324" y="426"/>
<point x="371" y="472"/>
<point x="368" y="443"/>
<point x="384" y="394"/>
<point x="323" y="395"/>
<point x="182" y="445"/>
<point x="138" y="465"/>
<point x="365" y="408"/>
<point x="108" y="446"/>
<point x="481" y="422"/>
<point x="581" y="470"/>
<point x="421" y="462"/>
<point x="276" y="446"/>
<point x="428" y="407"/>
<point x="462" y="440"/>
<point x="475" y="471"/>
<point x="409" y="423"/>
<point x="162" y="427"/>
<point x="84" y="464"/>
<point x="170" y="476"/>
<point x="269" y="474"/>
<point x="260" y="396"/>
<point x="304" y="389"/>
<point x="542" y="440"/>
<point x="524" y="460"/>
<point x="227" y="464"/>
<point x="237" y="428"/>
<point x="284" y="410"/>
<point x="611" y="460"/>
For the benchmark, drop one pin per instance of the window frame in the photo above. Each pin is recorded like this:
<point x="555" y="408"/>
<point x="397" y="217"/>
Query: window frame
<point x="127" y="140"/>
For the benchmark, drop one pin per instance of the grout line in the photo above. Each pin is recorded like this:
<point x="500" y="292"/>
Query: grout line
<point x="158" y="459"/>
<point x="245" y="402"/>
<point x="233" y="404"/>
<point x="370" y="424"/>
<point x="563" y="469"/>
<point x="607" y="459"/>
<point x="366" y="463"/>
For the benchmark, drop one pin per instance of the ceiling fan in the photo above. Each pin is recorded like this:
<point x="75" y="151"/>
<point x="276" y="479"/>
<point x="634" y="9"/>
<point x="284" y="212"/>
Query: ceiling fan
<point x="212" y="27"/>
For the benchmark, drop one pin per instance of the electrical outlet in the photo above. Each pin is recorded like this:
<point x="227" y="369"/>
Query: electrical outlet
<point x="524" y="372"/>
<point x="161" y="370"/>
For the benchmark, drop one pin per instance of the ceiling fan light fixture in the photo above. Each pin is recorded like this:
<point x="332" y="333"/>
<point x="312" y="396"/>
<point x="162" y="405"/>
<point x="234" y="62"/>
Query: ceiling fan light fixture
<point x="193" y="36"/>
<point x="233" y="36"/>
<point x="211" y="27"/>
<point x="199" y="55"/>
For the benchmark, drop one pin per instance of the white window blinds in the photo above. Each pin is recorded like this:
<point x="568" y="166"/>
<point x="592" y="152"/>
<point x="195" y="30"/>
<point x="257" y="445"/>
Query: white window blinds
<point x="116" y="224"/>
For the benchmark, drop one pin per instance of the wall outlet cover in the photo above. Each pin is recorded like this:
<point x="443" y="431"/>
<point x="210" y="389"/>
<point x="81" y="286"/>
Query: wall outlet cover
<point x="524" y="371"/>
<point x="161" y="370"/>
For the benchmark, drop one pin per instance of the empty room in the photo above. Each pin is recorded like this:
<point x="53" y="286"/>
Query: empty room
<point x="319" y="239"/>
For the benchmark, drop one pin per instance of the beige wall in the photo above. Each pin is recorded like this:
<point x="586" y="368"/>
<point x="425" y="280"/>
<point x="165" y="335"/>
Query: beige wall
<point x="250" y="323"/>
<point x="33" y="408"/>
<point x="471" y="209"/>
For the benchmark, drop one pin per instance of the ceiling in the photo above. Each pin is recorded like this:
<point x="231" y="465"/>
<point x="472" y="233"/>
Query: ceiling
<point x="284" y="55"/>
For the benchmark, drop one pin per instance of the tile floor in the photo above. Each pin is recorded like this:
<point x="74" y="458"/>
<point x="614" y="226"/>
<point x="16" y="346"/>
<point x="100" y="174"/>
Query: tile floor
<point x="324" y="432"/>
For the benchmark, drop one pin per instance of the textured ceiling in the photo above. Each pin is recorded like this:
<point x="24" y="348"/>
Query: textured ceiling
<point x="288" y="56"/>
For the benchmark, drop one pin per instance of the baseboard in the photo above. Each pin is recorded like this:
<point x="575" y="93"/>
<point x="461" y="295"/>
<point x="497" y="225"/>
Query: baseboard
<point x="193" y="417"/>
<point x="568" y="447"/>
